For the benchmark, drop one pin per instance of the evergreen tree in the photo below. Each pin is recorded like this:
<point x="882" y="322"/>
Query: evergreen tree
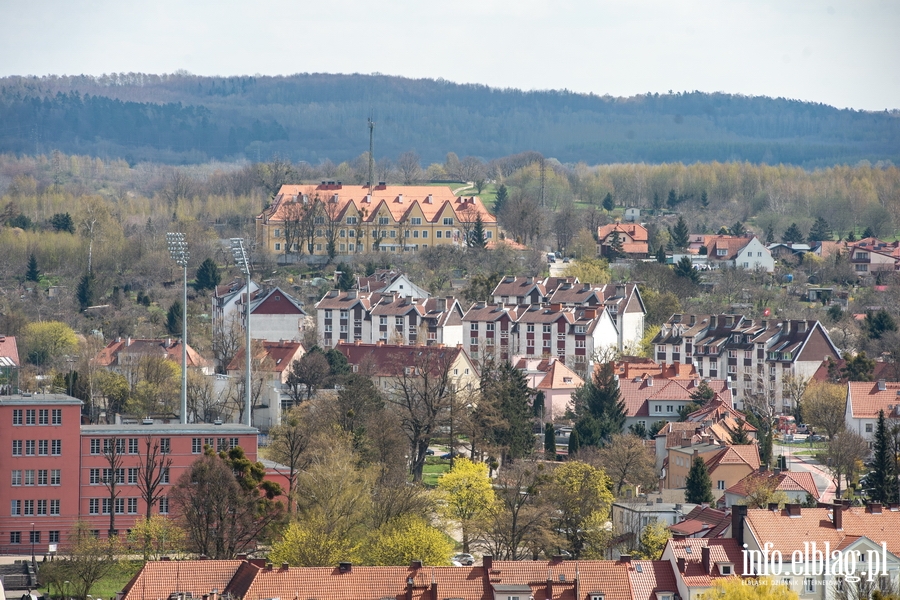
<point x="680" y="234"/>
<point x="739" y="435"/>
<point x="878" y="323"/>
<point x="173" y="318"/>
<point x="672" y="200"/>
<point x="608" y="204"/>
<point x="346" y="281"/>
<point x="868" y="233"/>
<point x="698" y="486"/>
<point x="738" y="229"/>
<point x="820" y="231"/>
<point x="858" y="368"/>
<point x="574" y="443"/>
<point x="599" y="407"/>
<point x="32" y="274"/>
<point x="770" y="235"/>
<point x="881" y="481"/>
<point x="704" y="199"/>
<point x="507" y="390"/>
<point x="477" y="238"/>
<point x="208" y="276"/>
<point x="549" y="442"/>
<point x="85" y="293"/>
<point x="661" y="255"/>
<point x="614" y="249"/>
<point x="538" y="405"/>
<point x="792" y="235"/>
<point x="684" y="268"/>
<point x="500" y="200"/>
<point x="851" y="237"/>
<point x="62" y="222"/>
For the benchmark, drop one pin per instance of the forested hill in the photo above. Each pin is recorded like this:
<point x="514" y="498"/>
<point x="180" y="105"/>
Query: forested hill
<point x="182" y="118"/>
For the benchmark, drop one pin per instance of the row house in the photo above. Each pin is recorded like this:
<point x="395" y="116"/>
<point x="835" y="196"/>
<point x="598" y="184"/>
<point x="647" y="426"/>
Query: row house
<point x="572" y="335"/>
<point x="52" y="474"/>
<point x="622" y="300"/>
<point x="871" y="255"/>
<point x="371" y="317"/>
<point x="356" y="218"/>
<point x="755" y="355"/>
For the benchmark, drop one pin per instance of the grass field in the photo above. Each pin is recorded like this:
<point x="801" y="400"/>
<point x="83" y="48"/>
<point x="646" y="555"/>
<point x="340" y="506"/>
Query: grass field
<point x="433" y="469"/>
<point x="109" y="585"/>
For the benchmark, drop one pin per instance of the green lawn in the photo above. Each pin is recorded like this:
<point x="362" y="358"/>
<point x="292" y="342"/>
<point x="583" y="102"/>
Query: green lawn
<point x="433" y="469"/>
<point x="112" y="583"/>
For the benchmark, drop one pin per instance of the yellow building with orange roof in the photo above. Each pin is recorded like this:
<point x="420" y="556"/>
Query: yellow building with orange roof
<point x="352" y="219"/>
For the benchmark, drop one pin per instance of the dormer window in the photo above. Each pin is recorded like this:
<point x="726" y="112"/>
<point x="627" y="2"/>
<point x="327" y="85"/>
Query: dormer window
<point x="725" y="568"/>
<point x="601" y="596"/>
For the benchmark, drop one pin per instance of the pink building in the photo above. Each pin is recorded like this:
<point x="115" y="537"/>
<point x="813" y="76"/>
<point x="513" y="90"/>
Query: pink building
<point x="51" y="475"/>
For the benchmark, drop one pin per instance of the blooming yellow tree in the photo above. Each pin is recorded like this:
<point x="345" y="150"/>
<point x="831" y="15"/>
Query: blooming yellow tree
<point x="467" y="494"/>
<point x="406" y="539"/>
<point x="763" y="588"/>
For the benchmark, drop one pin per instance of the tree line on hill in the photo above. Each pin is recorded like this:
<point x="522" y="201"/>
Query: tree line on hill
<point x="182" y="118"/>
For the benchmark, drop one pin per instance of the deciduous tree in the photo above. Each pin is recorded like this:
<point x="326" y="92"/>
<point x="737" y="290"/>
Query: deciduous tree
<point x="580" y="493"/>
<point x="628" y="461"/>
<point x="824" y="407"/>
<point x="467" y="493"/>
<point x="404" y="540"/>
<point x="153" y="471"/>
<point x="843" y="457"/>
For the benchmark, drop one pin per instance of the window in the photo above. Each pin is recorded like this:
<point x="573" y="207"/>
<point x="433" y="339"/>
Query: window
<point x="721" y="251"/>
<point x="15" y="508"/>
<point x="447" y="234"/>
<point x="42" y="508"/>
<point x="17" y="416"/>
<point x="473" y="326"/>
<point x="489" y="326"/>
<point x="415" y="221"/>
<point x="164" y="475"/>
<point x="669" y="408"/>
<point x="234" y="442"/>
<point x="56" y="415"/>
<point x="56" y="447"/>
<point x="473" y="341"/>
<point x="132" y="475"/>
<point x="29" y="416"/>
<point x="43" y="447"/>
<point x="94" y="506"/>
<point x="28" y="506"/>
<point x="344" y="315"/>
<point x="164" y="506"/>
<point x="54" y="536"/>
<point x="277" y="233"/>
<point x="438" y="234"/>
<point x="107" y="506"/>
<point x="530" y="343"/>
<point x="277" y="246"/>
<point x="95" y="446"/>
<point x="398" y="322"/>
<point x="726" y="569"/>
<point x="29" y="447"/>
<point x="196" y="445"/>
<point x="120" y="506"/>
<point x="448" y="221"/>
<point x="42" y="477"/>
<point x="351" y="220"/>
<point x="95" y="477"/>
<point x="54" y="508"/>
<point x="868" y="428"/>
<point x="383" y="220"/>
<point x="809" y="585"/>
<point x="15" y="537"/>
<point x="720" y="484"/>
<point x="546" y="328"/>
<point x="55" y="476"/>
<point x="43" y="417"/>
<point x="546" y="343"/>
<point x="17" y="448"/>
<point x="164" y="446"/>
<point x="132" y="506"/>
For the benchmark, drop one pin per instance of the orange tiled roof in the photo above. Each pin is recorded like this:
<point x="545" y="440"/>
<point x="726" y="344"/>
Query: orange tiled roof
<point x="867" y="399"/>
<point x="711" y="521"/>
<point x="721" y="550"/>
<point x="158" y="579"/>
<point x="9" y="349"/>
<point x="559" y="377"/>
<point x="734" y="455"/>
<point x="274" y="357"/>
<point x="788" y="481"/>
<point x="650" y="577"/>
<point x="169" y="348"/>
<point x="633" y="231"/>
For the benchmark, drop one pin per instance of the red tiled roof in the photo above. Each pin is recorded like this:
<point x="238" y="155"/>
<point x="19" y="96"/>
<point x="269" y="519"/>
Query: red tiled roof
<point x="560" y="377"/>
<point x="788" y="481"/>
<point x="721" y="550"/>
<point x="168" y="348"/>
<point x="734" y="455"/>
<point x="9" y="349"/>
<point x="158" y="579"/>
<point x="650" y="577"/>
<point x="706" y="519"/>
<point x="274" y="357"/>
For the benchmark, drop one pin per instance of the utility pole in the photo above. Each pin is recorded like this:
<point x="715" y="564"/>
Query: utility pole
<point x="371" y="155"/>
<point x="243" y="261"/>
<point x="178" y="252"/>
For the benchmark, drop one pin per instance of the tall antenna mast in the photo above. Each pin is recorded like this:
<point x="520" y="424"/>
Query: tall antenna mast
<point x="371" y="154"/>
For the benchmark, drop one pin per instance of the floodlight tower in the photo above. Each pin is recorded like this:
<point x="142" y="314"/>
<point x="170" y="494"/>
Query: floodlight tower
<point x="179" y="253"/>
<point x="243" y="261"/>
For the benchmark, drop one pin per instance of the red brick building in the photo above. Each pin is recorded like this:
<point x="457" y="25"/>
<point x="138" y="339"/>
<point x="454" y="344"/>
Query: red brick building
<point x="52" y="470"/>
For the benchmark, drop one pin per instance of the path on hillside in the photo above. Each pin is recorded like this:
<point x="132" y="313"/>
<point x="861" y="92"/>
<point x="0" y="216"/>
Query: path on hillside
<point x="465" y="187"/>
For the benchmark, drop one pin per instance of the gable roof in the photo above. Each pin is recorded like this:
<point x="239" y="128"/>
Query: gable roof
<point x="787" y="481"/>
<point x="867" y="398"/>
<point x="709" y="521"/>
<point x="167" y="348"/>
<point x="158" y="579"/>
<point x="9" y="351"/>
<point x="275" y="302"/>
<point x="721" y="550"/>
<point x="390" y="360"/>
<point x="733" y="455"/>
<point x="274" y="357"/>
<point x="560" y="377"/>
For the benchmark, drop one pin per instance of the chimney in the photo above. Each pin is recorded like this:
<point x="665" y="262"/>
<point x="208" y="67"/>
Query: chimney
<point x="705" y="558"/>
<point x="442" y="304"/>
<point x="284" y="566"/>
<point x="428" y="199"/>
<point x="682" y="564"/>
<point x="836" y="517"/>
<point x="416" y="564"/>
<point x="882" y="385"/>
<point x="620" y="289"/>
<point x="793" y="510"/>
<point x="786" y="327"/>
<point x="434" y="587"/>
<point x="625" y="558"/>
<point x="487" y="561"/>
<point x="693" y="320"/>
<point x="801" y="326"/>
<point x="127" y="341"/>
<point x="874" y="508"/>
<point x="345" y="567"/>
<point x="738" y="513"/>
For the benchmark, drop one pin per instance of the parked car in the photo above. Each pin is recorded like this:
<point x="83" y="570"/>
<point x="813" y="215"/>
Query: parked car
<point x="449" y="455"/>
<point x="428" y="452"/>
<point x="802" y="428"/>
<point x="463" y="559"/>
<point x="815" y="438"/>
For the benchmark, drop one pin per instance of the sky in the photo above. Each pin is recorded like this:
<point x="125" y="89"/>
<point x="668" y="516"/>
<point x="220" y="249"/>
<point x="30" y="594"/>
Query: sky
<point x="838" y="52"/>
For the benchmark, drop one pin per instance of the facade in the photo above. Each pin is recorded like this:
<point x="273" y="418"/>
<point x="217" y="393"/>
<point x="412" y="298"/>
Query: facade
<point x="373" y="317"/>
<point x="123" y="356"/>
<point x="271" y="366"/>
<point x="353" y="219"/>
<point x="796" y="485"/>
<point x="648" y="399"/>
<point x="224" y="306"/>
<point x="9" y="365"/>
<point x="275" y="315"/>
<point x="727" y="465"/>
<point x="736" y="251"/>
<point x="699" y="562"/>
<point x="632" y="237"/>
<point x="871" y="255"/>
<point x="756" y="355"/>
<point x="558" y="384"/>
<point x="865" y="399"/>
<point x="51" y="476"/>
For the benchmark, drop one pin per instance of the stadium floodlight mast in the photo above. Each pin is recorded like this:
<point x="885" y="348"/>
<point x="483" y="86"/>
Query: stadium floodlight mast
<point x="179" y="253"/>
<point x="243" y="261"/>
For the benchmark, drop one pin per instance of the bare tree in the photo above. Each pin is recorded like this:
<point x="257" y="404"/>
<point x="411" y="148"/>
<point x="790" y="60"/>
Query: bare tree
<point x="202" y="403"/>
<point x="153" y="471"/>
<point x="845" y="451"/>
<point x="824" y="407"/>
<point x="288" y="444"/>
<point x="307" y="374"/>
<point x="272" y="175"/>
<point x="422" y="391"/>
<point x="292" y="227"/>
<point x="409" y="167"/>
<point x="227" y="340"/>
<point x="628" y="461"/>
<point x="236" y="396"/>
<point x="113" y="476"/>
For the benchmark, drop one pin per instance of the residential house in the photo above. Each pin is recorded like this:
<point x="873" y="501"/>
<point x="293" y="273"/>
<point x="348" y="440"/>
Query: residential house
<point x="629" y="367"/>
<point x="124" y="356"/>
<point x="726" y="464"/>
<point x="756" y="355"/>
<point x="871" y="255"/>
<point x="865" y="399"/>
<point x="737" y="251"/>
<point x="391" y="281"/>
<point x="630" y="516"/>
<point x="648" y="400"/>
<point x="796" y="485"/>
<point x="703" y="522"/>
<point x="387" y="364"/>
<point x="270" y="367"/>
<point x="224" y="301"/>
<point x="275" y="315"/>
<point x="352" y="219"/>
<point x="812" y="535"/>
<point x="788" y="251"/>
<point x="623" y="239"/>
<point x="552" y="377"/>
<point x="700" y="562"/>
